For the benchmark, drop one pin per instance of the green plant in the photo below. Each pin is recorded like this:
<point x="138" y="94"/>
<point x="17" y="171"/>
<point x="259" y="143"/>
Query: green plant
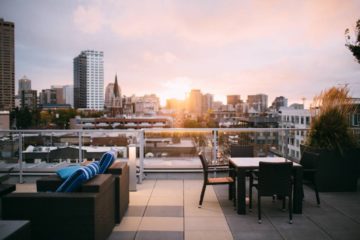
<point x="329" y="128"/>
<point x="354" y="46"/>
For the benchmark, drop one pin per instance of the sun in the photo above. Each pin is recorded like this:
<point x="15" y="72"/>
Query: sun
<point x="177" y="88"/>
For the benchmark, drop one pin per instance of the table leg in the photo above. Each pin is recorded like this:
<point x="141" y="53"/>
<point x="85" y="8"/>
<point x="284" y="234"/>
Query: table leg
<point x="298" y="185"/>
<point x="241" y="191"/>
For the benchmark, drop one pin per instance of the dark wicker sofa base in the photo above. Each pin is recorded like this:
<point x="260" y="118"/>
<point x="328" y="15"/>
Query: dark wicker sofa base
<point x="120" y="172"/>
<point x="88" y="214"/>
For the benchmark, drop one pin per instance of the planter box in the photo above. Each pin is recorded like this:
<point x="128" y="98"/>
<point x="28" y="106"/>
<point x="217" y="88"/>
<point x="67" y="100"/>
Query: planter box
<point x="335" y="173"/>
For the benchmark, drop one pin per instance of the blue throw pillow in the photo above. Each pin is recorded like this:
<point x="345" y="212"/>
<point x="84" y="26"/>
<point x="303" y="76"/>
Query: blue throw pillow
<point x="66" y="172"/>
<point x="106" y="160"/>
<point x="78" y="177"/>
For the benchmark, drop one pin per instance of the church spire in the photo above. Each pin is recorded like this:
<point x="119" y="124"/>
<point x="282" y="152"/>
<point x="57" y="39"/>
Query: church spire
<point x="116" y="87"/>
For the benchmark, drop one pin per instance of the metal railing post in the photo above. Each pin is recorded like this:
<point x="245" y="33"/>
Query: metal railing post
<point x="80" y="147"/>
<point x="215" y="143"/>
<point x="141" y="153"/>
<point x="286" y="154"/>
<point x="20" y="159"/>
<point x="132" y="167"/>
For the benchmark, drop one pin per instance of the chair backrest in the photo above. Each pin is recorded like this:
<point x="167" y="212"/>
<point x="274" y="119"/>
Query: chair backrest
<point x="275" y="178"/>
<point x="309" y="160"/>
<point x="204" y="164"/>
<point x="241" y="151"/>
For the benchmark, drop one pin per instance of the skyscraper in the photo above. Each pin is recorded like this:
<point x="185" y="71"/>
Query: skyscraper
<point x="194" y="102"/>
<point x="89" y="80"/>
<point x="258" y="102"/>
<point x="24" y="84"/>
<point x="7" y="66"/>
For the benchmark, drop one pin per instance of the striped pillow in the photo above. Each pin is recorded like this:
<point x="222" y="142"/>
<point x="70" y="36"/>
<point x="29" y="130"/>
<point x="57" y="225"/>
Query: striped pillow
<point x="78" y="177"/>
<point x="106" y="160"/>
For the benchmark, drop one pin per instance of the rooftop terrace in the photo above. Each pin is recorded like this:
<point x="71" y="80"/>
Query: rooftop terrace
<point x="166" y="208"/>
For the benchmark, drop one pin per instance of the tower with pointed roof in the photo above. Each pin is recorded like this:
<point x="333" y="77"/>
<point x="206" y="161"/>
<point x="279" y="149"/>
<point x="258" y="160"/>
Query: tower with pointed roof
<point x="113" y="101"/>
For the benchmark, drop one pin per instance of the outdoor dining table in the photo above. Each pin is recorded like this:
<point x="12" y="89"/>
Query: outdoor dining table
<point x="243" y="164"/>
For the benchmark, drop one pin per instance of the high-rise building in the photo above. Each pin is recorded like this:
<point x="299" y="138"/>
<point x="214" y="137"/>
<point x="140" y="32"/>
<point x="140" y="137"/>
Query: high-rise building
<point x="89" y="80"/>
<point x="207" y="102"/>
<point x="108" y="93"/>
<point x="233" y="100"/>
<point x="258" y="102"/>
<point x="7" y="66"/>
<point x="147" y="105"/>
<point x="194" y="102"/>
<point x="279" y="102"/>
<point x="68" y="94"/>
<point x="59" y="91"/>
<point x="29" y="99"/>
<point x="24" y="84"/>
<point x="47" y="96"/>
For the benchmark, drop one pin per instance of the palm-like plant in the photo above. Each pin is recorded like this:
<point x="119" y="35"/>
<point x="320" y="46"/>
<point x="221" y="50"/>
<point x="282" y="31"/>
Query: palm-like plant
<point x="330" y="125"/>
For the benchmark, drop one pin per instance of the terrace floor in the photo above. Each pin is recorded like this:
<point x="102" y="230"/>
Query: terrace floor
<point x="168" y="209"/>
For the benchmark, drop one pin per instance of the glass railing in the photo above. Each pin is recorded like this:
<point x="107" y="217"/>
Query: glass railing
<point x="38" y="152"/>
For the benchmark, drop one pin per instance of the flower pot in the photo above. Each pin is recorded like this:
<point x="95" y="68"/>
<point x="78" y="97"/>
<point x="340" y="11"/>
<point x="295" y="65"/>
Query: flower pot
<point x="335" y="172"/>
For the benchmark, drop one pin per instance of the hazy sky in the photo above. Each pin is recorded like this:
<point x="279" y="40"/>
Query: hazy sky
<point x="290" y="48"/>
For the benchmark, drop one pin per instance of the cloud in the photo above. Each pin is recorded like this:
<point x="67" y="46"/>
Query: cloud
<point x="88" y="19"/>
<point x="166" y="57"/>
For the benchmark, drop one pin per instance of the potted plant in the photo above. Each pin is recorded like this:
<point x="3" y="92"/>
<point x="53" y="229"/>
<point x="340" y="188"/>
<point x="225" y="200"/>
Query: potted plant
<point x="333" y="141"/>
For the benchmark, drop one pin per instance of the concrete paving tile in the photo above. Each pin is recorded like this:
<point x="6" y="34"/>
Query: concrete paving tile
<point x="208" y="235"/>
<point x="135" y="211"/>
<point x="159" y="235"/>
<point x="164" y="211"/>
<point x="162" y="224"/>
<point x="257" y="235"/>
<point x="166" y="201"/>
<point x="206" y="224"/>
<point x="302" y="228"/>
<point x="122" y="235"/>
<point x="128" y="224"/>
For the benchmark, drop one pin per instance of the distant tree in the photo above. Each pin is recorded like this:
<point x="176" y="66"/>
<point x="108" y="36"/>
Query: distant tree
<point x="21" y="118"/>
<point x="354" y="46"/>
<point x="189" y="123"/>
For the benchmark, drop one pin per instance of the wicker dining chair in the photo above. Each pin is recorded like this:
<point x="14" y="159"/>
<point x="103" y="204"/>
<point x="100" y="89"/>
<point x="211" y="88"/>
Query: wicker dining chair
<point x="214" y="181"/>
<point x="273" y="179"/>
<point x="308" y="161"/>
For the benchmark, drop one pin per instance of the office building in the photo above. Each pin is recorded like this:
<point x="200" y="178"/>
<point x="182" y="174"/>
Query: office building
<point x="24" y="84"/>
<point x="29" y="99"/>
<point x="68" y="94"/>
<point x="258" y="102"/>
<point x="59" y="92"/>
<point x="47" y="96"/>
<point x="207" y="102"/>
<point x="194" y="102"/>
<point x="233" y="100"/>
<point x="7" y="65"/>
<point x="279" y="102"/>
<point x="293" y="118"/>
<point x="89" y="80"/>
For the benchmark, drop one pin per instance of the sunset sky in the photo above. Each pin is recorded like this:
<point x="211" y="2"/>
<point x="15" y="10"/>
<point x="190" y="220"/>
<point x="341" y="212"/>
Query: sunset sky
<point x="290" y="48"/>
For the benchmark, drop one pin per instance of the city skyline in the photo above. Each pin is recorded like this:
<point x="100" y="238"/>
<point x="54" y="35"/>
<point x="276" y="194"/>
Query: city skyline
<point x="168" y="48"/>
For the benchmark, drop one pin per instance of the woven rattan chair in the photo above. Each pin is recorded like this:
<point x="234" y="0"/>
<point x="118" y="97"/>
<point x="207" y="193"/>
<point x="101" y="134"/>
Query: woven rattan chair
<point x="213" y="181"/>
<point x="273" y="179"/>
<point x="308" y="161"/>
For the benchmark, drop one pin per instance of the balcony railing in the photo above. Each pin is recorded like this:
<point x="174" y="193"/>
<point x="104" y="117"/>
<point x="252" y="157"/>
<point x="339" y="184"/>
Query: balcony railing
<point x="37" y="152"/>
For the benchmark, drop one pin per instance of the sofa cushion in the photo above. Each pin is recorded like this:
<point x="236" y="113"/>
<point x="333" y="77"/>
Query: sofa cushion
<point x="66" y="172"/>
<point x="106" y="160"/>
<point x="78" y="177"/>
